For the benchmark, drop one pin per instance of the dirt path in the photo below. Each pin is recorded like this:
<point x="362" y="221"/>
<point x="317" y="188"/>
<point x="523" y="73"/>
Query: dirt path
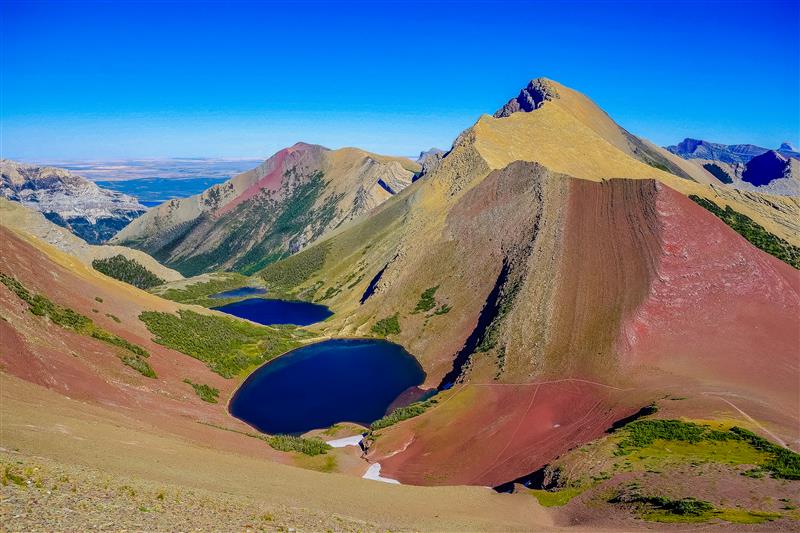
<point x="750" y="419"/>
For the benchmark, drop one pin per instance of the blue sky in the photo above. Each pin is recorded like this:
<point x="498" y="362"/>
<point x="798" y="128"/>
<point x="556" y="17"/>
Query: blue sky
<point x="95" y="80"/>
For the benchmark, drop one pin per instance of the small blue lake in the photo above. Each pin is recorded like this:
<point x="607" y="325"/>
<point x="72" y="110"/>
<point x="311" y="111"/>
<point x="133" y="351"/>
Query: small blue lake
<point x="241" y="292"/>
<point x="270" y="311"/>
<point x="313" y="387"/>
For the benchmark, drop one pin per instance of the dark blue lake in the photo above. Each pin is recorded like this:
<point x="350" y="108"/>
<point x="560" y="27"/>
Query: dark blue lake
<point x="270" y="311"/>
<point x="313" y="387"/>
<point x="240" y="292"/>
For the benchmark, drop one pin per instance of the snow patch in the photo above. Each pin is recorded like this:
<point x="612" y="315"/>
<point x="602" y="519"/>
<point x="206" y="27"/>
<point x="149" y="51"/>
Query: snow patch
<point x="374" y="473"/>
<point x="355" y="440"/>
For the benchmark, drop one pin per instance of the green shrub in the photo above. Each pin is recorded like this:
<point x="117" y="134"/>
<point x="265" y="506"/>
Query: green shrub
<point x="140" y="365"/>
<point x="227" y="345"/>
<point x="402" y="413"/>
<point x="127" y="270"/>
<point x="753" y="232"/>
<point x="114" y="318"/>
<point x="110" y="338"/>
<point x="330" y="293"/>
<point x="387" y="326"/>
<point x="642" y="433"/>
<point x="198" y="293"/>
<point x="205" y="392"/>
<point x="297" y="269"/>
<point x="443" y="310"/>
<point x="784" y="463"/>
<point x="289" y="443"/>
<point x="427" y="300"/>
<point x="682" y="506"/>
<point x="781" y="463"/>
<point x="67" y="318"/>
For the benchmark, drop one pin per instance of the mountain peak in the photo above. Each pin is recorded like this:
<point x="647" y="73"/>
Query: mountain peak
<point x="530" y="98"/>
<point x="787" y="147"/>
<point x="300" y="145"/>
<point x="727" y="153"/>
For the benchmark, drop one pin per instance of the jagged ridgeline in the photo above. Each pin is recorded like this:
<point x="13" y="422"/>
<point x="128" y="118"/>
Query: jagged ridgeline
<point x="270" y="212"/>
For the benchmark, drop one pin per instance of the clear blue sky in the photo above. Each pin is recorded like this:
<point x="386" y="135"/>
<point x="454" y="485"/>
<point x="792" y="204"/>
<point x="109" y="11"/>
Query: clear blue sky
<point x="85" y="80"/>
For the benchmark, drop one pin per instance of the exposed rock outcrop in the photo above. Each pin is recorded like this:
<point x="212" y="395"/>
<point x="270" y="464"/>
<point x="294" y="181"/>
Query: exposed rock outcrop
<point x="530" y="98"/>
<point x="71" y="201"/>
<point x="429" y="160"/>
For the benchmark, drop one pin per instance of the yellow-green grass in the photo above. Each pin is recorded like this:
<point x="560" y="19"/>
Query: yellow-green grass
<point x="199" y="293"/>
<point x="321" y="463"/>
<point x="737" y="516"/>
<point x="557" y="498"/>
<point x="668" y="452"/>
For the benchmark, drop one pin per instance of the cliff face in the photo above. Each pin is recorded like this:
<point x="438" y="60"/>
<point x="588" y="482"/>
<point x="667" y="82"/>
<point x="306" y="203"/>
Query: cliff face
<point x="92" y="213"/>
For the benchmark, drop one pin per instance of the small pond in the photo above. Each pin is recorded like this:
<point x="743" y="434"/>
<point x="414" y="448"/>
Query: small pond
<point x="269" y="311"/>
<point x="340" y="380"/>
<point x="241" y="292"/>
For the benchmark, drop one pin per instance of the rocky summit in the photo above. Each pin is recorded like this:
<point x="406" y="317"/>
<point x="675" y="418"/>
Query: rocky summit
<point x="531" y="97"/>
<point x="69" y="200"/>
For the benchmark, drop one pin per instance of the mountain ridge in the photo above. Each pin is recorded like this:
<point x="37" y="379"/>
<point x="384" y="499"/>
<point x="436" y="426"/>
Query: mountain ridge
<point x="727" y="153"/>
<point x="73" y="202"/>
<point x="567" y="234"/>
<point x="266" y="213"/>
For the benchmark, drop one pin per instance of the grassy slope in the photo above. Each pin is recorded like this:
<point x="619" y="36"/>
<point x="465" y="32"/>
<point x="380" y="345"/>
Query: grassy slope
<point x="649" y="464"/>
<point x="34" y="224"/>
<point x="191" y="469"/>
<point x="249" y="235"/>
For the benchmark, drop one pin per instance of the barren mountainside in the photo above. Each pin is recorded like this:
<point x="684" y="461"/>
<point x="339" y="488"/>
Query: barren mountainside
<point x="92" y="213"/>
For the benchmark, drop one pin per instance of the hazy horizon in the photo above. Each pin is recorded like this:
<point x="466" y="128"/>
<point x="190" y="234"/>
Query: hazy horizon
<point x="128" y="80"/>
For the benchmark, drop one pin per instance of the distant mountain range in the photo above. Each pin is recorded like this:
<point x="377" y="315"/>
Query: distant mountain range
<point x="746" y="166"/>
<point x="726" y="153"/>
<point x="69" y="200"/>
